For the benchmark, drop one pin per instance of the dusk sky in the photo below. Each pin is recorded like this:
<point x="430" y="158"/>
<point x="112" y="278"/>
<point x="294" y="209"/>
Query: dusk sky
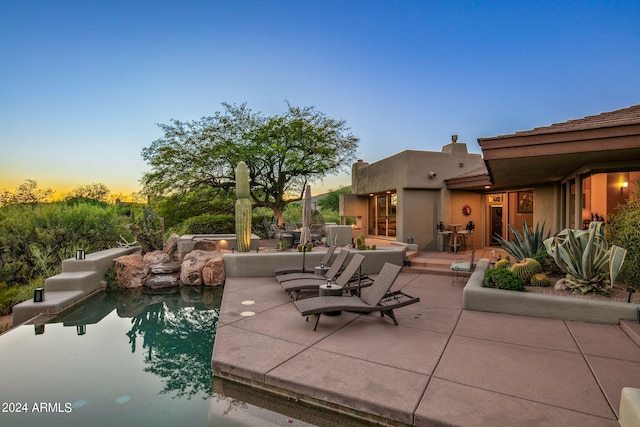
<point x="83" y="84"/>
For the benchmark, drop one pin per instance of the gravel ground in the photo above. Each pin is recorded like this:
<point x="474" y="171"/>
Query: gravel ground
<point x="618" y="293"/>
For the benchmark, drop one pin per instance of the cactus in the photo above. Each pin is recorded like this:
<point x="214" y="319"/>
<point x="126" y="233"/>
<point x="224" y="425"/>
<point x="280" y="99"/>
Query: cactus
<point x="526" y="268"/>
<point x="503" y="263"/>
<point x="360" y="243"/>
<point x="539" y="279"/>
<point x="243" y="208"/>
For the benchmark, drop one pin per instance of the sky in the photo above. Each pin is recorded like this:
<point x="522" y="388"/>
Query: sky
<point x="84" y="84"/>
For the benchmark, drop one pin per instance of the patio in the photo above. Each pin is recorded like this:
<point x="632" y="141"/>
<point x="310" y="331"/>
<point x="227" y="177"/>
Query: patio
<point x="441" y="366"/>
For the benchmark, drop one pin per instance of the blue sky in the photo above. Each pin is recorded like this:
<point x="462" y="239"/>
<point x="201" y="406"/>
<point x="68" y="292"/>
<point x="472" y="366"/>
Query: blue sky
<point x="83" y="84"/>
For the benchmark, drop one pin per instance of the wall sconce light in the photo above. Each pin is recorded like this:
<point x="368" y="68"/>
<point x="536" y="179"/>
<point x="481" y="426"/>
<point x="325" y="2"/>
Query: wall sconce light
<point x="38" y="295"/>
<point x="80" y="254"/>
<point x="623" y="186"/>
<point x="81" y="329"/>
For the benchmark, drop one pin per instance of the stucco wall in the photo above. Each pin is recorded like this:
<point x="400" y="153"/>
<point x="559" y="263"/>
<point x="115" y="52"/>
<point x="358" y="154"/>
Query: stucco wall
<point x="546" y="207"/>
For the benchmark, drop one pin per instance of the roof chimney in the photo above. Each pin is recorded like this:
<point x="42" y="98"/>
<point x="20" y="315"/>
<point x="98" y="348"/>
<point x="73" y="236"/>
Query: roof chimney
<point x="454" y="138"/>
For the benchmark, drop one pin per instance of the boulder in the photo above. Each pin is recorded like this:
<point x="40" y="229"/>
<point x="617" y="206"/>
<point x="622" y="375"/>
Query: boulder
<point x="205" y="245"/>
<point x="155" y="257"/>
<point x="159" y="281"/>
<point x="191" y="269"/>
<point x="129" y="270"/>
<point x="171" y="246"/>
<point x="213" y="272"/>
<point x="165" y="268"/>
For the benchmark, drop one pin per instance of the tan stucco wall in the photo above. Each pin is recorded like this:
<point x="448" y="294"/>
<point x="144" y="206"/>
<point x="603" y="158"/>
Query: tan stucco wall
<point x="418" y="179"/>
<point x="546" y="207"/>
<point x="475" y="201"/>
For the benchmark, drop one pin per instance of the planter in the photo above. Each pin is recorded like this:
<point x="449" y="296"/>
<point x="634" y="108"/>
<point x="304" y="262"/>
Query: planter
<point x="476" y="297"/>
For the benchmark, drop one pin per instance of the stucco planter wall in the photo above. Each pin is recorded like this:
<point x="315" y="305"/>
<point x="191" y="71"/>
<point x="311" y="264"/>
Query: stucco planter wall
<point x="257" y="264"/>
<point x="476" y="297"/>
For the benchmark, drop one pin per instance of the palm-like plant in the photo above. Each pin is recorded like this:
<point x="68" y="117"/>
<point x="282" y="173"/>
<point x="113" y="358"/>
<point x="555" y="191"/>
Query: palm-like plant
<point x="586" y="258"/>
<point x="525" y="245"/>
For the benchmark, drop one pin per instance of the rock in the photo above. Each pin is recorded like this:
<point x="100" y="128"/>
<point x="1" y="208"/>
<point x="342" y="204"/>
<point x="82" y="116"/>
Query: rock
<point x="191" y="269"/>
<point x="205" y="245"/>
<point x="561" y="285"/>
<point x="171" y="246"/>
<point x="155" y="257"/>
<point x="129" y="270"/>
<point x="213" y="272"/>
<point x="165" y="268"/>
<point x="158" y="281"/>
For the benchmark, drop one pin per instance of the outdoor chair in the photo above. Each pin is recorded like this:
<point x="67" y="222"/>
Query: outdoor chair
<point x="462" y="267"/>
<point x="326" y="261"/>
<point x="281" y="235"/>
<point x="373" y="298"/>
<point x="350" y="279"/>
<point x="291" y="226"/>
<point x="317" y="232"/>
<point x="334" y="270"/>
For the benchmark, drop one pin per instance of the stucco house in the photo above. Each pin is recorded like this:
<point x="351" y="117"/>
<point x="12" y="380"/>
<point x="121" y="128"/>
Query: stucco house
<point x="563" y="175"/>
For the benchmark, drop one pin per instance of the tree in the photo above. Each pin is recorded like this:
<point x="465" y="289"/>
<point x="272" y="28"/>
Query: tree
<point x="27" y="192"/>
<point x="90" y="191"/>
<point x="283" y="153"/>
<point x="331" y="201"/>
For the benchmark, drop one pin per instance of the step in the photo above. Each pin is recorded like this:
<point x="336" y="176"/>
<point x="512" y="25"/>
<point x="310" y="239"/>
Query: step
<point x="53" y="302"/>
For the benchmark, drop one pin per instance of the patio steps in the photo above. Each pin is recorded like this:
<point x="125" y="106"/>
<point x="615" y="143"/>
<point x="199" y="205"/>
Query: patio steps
<point x="424" y="265"/>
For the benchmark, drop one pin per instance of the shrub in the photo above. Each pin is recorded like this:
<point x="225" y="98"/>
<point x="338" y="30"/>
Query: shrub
<point x="208" y="224"/>
<point x="624" y="231"/>
<point x="548" y="263"/>
<point x="147" y="229"/>
<point x="35" y="238"/>
<point x="502" y="278"/>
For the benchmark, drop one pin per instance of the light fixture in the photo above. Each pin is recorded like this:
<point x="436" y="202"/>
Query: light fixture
<point x="80" y="254"/>
<point x="38" y="295"/>
<point x="624" y="185"/>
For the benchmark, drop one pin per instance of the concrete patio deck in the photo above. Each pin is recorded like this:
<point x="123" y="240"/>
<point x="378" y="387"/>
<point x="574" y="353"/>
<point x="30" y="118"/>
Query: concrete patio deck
<point x="441" y="366"/>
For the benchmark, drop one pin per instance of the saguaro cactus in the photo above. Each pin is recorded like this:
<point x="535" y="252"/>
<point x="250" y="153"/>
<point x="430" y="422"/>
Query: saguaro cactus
<point x="243" y="208"/>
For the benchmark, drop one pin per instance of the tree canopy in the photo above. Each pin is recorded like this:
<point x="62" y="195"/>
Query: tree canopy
<point x="27" y="192"/>
<point x="284" y="153"/>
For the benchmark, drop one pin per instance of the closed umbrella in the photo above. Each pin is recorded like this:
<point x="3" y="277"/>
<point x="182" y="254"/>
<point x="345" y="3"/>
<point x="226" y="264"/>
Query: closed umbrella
<point x="305" y="235"/>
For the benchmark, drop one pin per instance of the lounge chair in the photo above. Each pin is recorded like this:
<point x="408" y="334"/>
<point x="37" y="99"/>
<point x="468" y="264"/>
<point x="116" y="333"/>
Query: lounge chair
<point x="334" y="270"/>
<point x="281" y="234"/>
<point x="462" y="267"/>
<point x="350" y="279"/>
<point x="374" y="298"/>
<point x="326" y="261"/>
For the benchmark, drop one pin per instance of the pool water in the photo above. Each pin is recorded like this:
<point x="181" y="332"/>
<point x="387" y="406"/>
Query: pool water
<point x="124" y="358"/>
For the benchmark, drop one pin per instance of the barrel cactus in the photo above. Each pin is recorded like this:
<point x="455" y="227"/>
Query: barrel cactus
<point x="526" y="268"/>
<point x="539" y="279"/>
<point x="503" y="263"/>
<point x="243" y="208"/>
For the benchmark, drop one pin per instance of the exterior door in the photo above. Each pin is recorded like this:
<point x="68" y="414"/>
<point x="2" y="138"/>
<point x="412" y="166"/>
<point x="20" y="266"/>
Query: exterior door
<point x="495" y="224"/>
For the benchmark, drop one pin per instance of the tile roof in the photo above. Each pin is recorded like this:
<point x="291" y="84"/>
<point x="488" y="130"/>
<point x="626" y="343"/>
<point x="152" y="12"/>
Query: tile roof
<point x="622" y="117"/>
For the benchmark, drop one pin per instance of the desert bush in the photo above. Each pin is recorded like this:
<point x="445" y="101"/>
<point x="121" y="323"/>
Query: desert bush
<point x="35" y="238"/>
<point x="208" y="224"/>
<point x="624" y="231"/>
<point x="502" y="278"/>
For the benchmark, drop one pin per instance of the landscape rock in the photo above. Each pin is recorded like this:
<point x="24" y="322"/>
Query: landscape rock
<point x="213" y="272"/>
<point x="205" y="245"/>
<point x="171" y="246"/>
<point x="159" y="281"/>
<point x="561" y="285"/>
<point x="155" y="257"/>
<point x="191" y="269"/>
<point x="130" y="270"/>
<point x="165" y="268"/>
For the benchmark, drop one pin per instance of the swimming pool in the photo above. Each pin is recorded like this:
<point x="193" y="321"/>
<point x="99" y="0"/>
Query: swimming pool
<point x="126" y="358"/>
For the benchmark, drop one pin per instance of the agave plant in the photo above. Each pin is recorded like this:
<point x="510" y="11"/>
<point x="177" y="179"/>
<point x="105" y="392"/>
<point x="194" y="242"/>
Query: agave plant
<point x="586" y="258"/>
<point x="525" y="245"/>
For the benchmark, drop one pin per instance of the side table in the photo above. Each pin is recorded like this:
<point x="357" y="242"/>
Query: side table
<point x="331" y="291"/>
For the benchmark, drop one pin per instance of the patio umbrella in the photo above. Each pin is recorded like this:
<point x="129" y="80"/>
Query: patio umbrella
<point x="305" y="235"/>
